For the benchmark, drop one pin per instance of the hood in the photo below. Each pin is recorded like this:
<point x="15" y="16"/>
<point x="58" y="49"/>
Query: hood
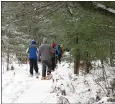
<point x="33" y="42"/>
<point x="45" y="40"/>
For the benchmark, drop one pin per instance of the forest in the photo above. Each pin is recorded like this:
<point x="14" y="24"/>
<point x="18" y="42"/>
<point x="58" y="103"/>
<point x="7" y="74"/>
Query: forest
<point x="86" y="28"/>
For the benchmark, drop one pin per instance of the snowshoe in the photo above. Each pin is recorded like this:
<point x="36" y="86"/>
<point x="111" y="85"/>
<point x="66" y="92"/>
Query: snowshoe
<point x="48" y="77"/>
<point x="30" y="75"/>
<point x="37" y="75"/>
<point x="43" y="78"/>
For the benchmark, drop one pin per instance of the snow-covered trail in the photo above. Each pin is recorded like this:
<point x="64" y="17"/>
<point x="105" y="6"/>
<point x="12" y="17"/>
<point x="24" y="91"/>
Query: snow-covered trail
<point x="16" y="82"/>
<point x="39" y="91"/>
<point x="17" y="87"/>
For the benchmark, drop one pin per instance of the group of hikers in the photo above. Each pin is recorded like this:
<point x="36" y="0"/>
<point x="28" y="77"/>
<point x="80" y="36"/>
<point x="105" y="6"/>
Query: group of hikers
<point x="48" y="54"/>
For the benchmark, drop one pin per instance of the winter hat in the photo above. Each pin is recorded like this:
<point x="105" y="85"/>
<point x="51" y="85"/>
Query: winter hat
<point x="33" y="42"/>
<point x="45" y="40"/>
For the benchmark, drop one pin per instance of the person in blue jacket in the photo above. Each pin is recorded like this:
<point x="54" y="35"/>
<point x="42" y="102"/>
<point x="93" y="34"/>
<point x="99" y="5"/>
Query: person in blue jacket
<point x="32" y="51"/>
<point x="58" y="53"/>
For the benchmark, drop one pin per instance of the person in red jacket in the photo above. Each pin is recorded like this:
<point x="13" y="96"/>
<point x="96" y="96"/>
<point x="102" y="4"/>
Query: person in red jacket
<point x="53" y="45"/>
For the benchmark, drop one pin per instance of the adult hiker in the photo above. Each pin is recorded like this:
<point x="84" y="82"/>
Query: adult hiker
<point x="58" y="53"/>
<point x="53" y="44"/>
<point x="32" y="51"/>
<point x="45" y="52"/>
<point x="62" y="48"/>
<point x="53" y="56"/>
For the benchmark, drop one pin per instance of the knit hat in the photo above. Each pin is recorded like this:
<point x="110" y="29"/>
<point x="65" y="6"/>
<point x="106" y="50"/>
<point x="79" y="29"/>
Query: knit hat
<point x="45" y="40"/>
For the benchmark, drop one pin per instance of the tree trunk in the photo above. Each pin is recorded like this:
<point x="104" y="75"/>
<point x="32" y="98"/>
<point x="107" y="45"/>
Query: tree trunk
<point x="70" y="58"/>
<point x="111" y="55"/>
<point x="104" y="74"/>
<point x="102" y="63"/>
<point x="87" y="63"/>
<point x="76" y="62"/>
<point x="2" y="61"/>
<point x="7" y="51"/>
<point x="8" y="59"/>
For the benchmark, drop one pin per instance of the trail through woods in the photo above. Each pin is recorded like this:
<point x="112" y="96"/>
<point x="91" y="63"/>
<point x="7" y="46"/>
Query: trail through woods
<point x="18" y="87"/>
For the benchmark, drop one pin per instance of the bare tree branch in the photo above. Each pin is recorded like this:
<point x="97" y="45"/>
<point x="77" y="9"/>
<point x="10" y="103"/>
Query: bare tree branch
<point x="69" y="9"/>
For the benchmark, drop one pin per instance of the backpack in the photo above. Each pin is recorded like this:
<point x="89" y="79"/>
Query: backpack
<point x="60" y="50"/>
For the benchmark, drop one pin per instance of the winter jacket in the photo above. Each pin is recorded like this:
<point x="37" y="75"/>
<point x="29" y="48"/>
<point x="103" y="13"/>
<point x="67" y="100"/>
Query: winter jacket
<point x="32" y="50"/>
<point x="45" y="51"/>
<point x="53" y="45"/>
<point x="57" y="50"/>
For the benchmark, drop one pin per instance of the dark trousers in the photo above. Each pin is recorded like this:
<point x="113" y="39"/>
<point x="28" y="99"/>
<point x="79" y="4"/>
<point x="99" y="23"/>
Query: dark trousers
<point x="53" y="63"/>
<point x="46" y="63"/>
<point x="59" y="58"/>
<point x="33" y="64"/>
<point x="56" y="59"/>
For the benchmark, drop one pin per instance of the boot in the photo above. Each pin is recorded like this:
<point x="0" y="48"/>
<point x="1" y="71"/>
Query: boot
<point x="43" y="78"/>
<point x="31" y="75"/>
<point x="37" y="75"/>
<point x="49" y="76"/>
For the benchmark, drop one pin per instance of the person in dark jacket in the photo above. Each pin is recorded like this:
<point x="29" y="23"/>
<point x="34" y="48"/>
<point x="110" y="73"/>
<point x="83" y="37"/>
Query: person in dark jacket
<point x="32" y="51"/>
<point x="45" y="52"/>
<point x="59" y="53"/>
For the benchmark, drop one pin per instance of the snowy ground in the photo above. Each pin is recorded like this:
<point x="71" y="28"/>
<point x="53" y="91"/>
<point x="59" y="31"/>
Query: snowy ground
<point x="17" y="87"/>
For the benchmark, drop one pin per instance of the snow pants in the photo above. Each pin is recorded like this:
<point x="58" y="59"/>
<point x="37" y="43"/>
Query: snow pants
<point x="46" y="64"/>
<point x="33" y="64"/>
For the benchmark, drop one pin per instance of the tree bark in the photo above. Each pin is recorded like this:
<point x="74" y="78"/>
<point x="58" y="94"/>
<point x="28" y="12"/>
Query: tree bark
<point x="70" y="58"/>
<point x="7" y="51"/>
<point x="76" y="62"/>
<point x="8" y="59"/>
<point x="77" y="59"/>
<point x="111" y="54"/>
<point x="88" y="64"/>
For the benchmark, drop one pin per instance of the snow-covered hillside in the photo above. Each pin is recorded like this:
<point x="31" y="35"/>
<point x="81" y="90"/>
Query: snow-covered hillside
<point x="18" y="87"/>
